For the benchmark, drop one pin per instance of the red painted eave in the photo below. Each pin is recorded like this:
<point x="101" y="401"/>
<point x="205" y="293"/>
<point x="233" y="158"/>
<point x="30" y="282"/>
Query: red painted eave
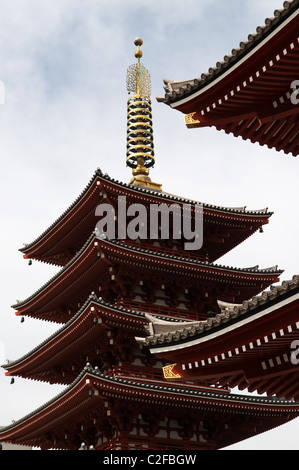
<point x="60" y="242"/>
<point x="250" y="347"/>
<point x="86" y="328"/>
<point x="74" y="279"/>
<point x="57" y="299"/>
<point x="251" y="98"/>
<point x="66" y="407"/>
<point x="88" y="394"/>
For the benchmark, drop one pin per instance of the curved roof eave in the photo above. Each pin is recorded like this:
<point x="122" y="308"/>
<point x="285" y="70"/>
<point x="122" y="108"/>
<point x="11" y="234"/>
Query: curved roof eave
<point x="18" y="430"/>
<point x="159" y="196"/>
<point x="177" y="92"/>
<point x="185" y="335"/>
<point x="93" y="300"/>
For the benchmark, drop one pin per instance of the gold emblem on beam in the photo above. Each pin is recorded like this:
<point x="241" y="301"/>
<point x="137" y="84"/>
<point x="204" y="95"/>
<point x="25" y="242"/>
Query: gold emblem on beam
<point x="190" y="122"/>
<point x="169" y="374"/>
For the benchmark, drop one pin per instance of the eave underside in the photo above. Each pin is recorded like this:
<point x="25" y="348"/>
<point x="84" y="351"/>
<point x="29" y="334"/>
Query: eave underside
<point x="95" y="405"/>
<point x="87" y="336"/>
<point x="252" y="97"/>
<point x="224" y="228"/>
<point x="251" y="346"/>
<point x="123" y="265"/>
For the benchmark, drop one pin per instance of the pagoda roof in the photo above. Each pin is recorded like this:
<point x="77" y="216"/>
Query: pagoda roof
<point x="248" y="93"/>
<point x="68" y="233"/>
<point x="53" y="425"/>
<point x="75" y="279"/>
<point x="61" y="296"/>
<point x="247" y="345"/>
<point x="85" y="330"/>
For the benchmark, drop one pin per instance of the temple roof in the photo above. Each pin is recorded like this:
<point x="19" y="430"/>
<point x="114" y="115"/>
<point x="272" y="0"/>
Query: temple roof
<point x="247" y="345"/>
<point x="74" y="282"/>
<point x="248" y="93"/>
<point x="67" y="234"/>
<point x="87" y="394"/>
<point x="176" y="90"/>
<point x="77" y="337"/>
<point x="164" y="332"/>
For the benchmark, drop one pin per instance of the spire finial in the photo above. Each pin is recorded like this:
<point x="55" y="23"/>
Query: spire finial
<point x="138" y="42"/>
<point x="138" y="54"/>
<point x="140" y="144"/>
<point x="138" y="78"/>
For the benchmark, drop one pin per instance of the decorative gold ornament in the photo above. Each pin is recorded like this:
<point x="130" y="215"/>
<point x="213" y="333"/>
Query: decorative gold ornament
<point x="169" y="374"/>
<point x="190" y="122"/>
<point x="140" y="142"/>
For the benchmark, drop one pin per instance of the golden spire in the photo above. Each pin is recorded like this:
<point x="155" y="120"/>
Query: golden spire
<point x="140" y="143"/>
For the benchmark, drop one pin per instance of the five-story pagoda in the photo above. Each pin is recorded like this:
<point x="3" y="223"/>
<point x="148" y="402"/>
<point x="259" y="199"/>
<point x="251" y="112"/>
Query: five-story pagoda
<point x="109" y="285"/>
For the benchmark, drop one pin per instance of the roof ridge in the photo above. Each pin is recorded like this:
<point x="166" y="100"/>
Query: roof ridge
<point x="226" y="314"/>
<point x="254" y="269"/>
<point x="178" y="89"/>
<point x="171" y="197"/>
<point x="89" y="370"/>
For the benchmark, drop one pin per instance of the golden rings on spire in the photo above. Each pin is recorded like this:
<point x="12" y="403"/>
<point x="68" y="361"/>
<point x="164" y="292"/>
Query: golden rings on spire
<point x="140" y="143"/>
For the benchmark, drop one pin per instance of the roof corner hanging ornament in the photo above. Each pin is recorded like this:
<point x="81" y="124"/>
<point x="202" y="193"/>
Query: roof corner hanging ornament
<point x="140" y="143"/>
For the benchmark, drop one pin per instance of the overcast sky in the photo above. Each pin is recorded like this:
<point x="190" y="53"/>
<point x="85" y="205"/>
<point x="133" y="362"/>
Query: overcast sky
<point x="63" y="64"/>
